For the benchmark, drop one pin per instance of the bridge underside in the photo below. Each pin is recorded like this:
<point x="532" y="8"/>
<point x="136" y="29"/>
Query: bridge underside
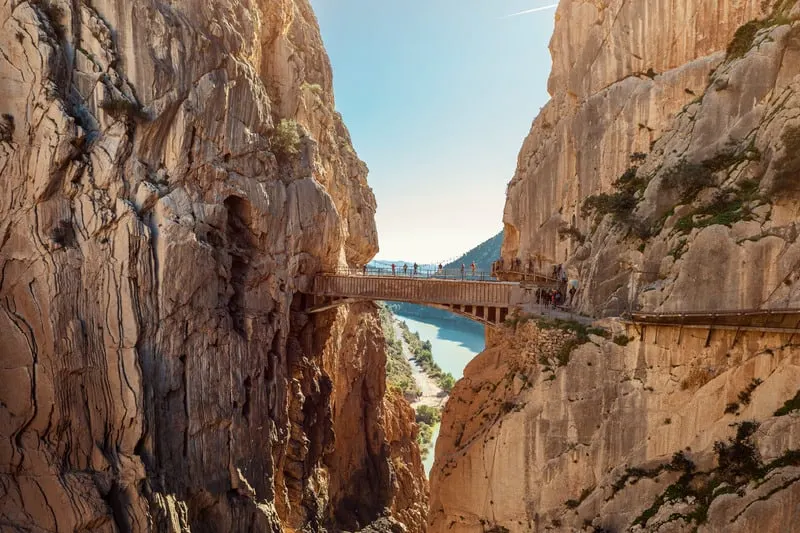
<point x="488" y="315"/>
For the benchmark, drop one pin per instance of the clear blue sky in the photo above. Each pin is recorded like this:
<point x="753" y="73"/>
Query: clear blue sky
<point x="438" y="96"/>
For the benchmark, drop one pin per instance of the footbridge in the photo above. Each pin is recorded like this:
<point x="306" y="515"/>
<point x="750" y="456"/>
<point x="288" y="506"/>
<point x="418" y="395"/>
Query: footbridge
<point x="475" y="295"/>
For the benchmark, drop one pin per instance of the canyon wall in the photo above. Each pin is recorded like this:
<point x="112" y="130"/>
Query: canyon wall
<point x="622" y="438"/>
<point x="671" y="137"/>
<point x="664" y="173"/>
<point x="173" y="175"/>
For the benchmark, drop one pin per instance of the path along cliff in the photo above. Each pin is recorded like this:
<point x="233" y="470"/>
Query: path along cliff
<point x="664" y="174"/>
<point x="173" y="175"/>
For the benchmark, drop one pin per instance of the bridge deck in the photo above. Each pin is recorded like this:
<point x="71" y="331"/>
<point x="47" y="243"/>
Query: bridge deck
<point x="416" y="290"/>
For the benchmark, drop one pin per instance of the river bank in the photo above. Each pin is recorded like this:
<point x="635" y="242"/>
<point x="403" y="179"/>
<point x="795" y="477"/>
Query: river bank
<point x="431" y="394"/>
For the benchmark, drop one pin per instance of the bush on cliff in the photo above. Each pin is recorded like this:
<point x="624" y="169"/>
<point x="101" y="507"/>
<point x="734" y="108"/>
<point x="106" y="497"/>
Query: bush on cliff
<point x="285" y="139"/>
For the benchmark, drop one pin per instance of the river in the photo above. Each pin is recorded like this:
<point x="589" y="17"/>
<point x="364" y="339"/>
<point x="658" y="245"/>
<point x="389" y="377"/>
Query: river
<point x="453" y="344"/>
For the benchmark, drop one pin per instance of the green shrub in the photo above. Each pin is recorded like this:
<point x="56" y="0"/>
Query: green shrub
<point x="286" y="139"/>
<point x="571" y="232"/>
<point x="619" y="204"/>
<point x="739" y="457"/>
<point x="732" y="408"/>
<point x="428" y="415"/>
<point x="688" y="179"/>
<point x="790" y="405"/>
<point x="787" y="168"/>
<point x="621" y="339"/>
<point x="743" y="39"/>
<point x="121" y="107"/>
<point x="744" y="396"/>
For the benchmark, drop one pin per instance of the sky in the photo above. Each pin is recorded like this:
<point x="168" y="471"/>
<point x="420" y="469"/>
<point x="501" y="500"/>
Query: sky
<point x="438" y="96"/>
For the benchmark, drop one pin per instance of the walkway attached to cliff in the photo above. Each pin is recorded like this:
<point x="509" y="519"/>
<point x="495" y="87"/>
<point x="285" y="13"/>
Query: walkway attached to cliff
<point x="765" y="320"/>
<point x="476" y="295"/>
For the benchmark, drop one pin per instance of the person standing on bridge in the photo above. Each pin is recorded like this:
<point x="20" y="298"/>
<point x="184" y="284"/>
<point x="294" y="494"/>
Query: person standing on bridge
<point x="472" y="266"/>
<point x="364" y="268"/>
<point x="415" y="268"/>
<point x="462" y="270"/>
<point x="440" y="268"/>
<point x="405" y="269"/>
<point x="393" y="267"/>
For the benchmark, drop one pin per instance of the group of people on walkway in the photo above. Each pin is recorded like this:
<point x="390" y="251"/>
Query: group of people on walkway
<point x="405" y="269"/>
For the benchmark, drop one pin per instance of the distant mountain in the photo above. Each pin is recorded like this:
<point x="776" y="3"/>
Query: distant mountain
<point x="483" y="254"/>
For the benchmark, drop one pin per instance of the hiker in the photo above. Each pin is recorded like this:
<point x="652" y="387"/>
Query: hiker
<point x="462" y="270"/>
<point x="563" y="276"/>
<point x="405" y="269"/>
<point x="572" y="291"/>
<point x="472" y="266"/>
<point x="553" y="299"/>
<point x="555" y="271"/>
<point x="393" y="269"/>
<point x="415" y="268"/>
<point x="559" y="298"/>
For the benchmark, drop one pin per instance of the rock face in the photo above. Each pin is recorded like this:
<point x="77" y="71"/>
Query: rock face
<point x="664" y="172"/>
<point x="173" y="174"/>
<point x="677" y="121"/>
<point x="533" y="442"/>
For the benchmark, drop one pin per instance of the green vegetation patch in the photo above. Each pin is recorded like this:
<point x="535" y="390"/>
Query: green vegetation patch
<point x="619" y="204"/>
<point x="121" y="107"/>
<point x="571" y="232"/>
<point x="424" y="358"/>
<point x="285" y="140"/>
<point x="621" y="339"/>
<point x="573" y="504"/>
<point x="787" y="168"/>
<point x="729" y="207"/>
<point x="399" y="374"/>
<point x="743" y="38"/>
<point x="427" y="417"/>
<point x="790" y="405"/>
<point x="738" y="464"/>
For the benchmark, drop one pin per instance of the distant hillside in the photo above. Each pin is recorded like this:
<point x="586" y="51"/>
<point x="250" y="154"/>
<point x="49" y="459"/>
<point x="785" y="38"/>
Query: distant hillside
<point x="483" y="254"/>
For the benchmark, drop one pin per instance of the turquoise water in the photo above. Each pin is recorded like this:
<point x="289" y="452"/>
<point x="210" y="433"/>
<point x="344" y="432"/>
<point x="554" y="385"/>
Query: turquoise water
<point x="454" y="344"/>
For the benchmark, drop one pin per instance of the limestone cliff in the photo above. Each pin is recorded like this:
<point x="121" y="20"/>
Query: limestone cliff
<point x="671" y="137"/>
<point x="668" y="433"/>
<point x="664" y="172"/>
<point x="173" y="174"/>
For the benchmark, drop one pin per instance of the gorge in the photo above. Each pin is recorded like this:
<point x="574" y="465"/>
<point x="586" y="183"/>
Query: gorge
<point x="175" y="176"/>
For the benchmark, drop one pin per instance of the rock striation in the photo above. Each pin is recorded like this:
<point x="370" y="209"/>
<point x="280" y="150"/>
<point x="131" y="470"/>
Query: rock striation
<point x="667" y="433"/>
<point x="173" y="175"/>
<point x="671" y="137"/>
<point x="664" y="174"/>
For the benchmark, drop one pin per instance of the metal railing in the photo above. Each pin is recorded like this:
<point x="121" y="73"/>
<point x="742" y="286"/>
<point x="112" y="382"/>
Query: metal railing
<point x="433" y="290"/>
<point x="408" y="271"/>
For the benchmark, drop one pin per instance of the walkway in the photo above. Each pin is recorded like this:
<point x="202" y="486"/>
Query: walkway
<point x="766" y="320"/>
<point x="477" y="295"/>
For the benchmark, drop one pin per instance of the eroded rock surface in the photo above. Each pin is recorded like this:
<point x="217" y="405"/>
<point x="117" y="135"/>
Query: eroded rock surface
<point x="173" y="174"/>
<point x="532" y="441"/>
<point x="682" y="133"/>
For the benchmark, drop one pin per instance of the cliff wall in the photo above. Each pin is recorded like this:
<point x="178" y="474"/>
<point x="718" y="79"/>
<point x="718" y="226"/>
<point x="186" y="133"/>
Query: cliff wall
<point x="671" y="137"/>
<point x="533" y="441"/>
<point x="664" y="174"/>
<point x="173" y="174"/>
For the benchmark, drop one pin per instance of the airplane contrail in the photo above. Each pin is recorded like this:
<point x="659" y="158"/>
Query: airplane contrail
<point x="534" y="10"/>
